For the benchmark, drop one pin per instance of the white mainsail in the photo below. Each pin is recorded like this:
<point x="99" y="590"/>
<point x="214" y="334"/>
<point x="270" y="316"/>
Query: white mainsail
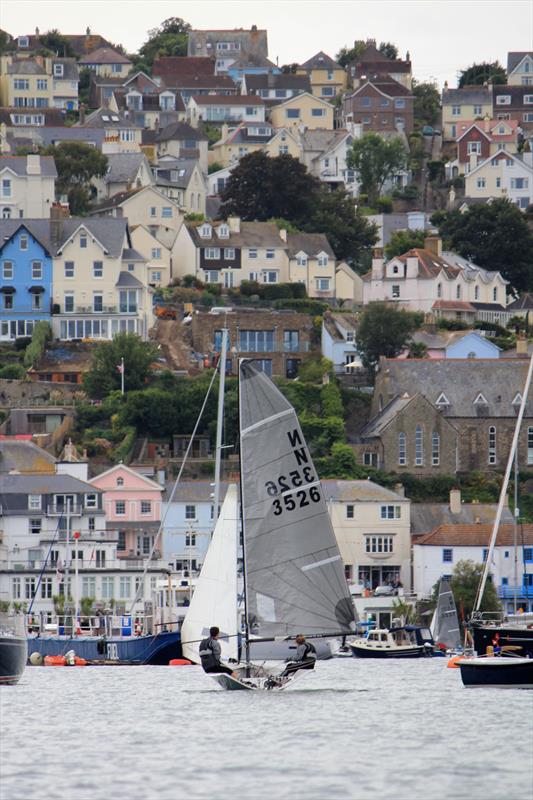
<point x="446" y="622"/>
<point x="295" y="580"/>
<point x="214" y="601"/>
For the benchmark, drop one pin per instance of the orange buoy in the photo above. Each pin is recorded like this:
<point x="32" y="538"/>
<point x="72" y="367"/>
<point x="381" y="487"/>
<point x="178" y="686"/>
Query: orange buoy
<point x="55" y="661"/>
<point x="80" y="662"/>
<point x="180" y="662"/>
<point x="452" y="663"/>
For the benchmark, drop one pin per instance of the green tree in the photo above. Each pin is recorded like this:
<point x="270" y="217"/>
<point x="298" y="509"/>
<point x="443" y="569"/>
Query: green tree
<point x="426" y="103"/>
<point x="6" y="42"/>
<point x="417" y="350"/>
<point x="54" y="41"/>
<point x="376" y="160"/>
<point x="348" y="54"/>
<point x="349" y="233"/>
<point x="104" y="377"/>
<point x="383" y="331"/>
<point x="389" y="50"/>
<point x="169" y="39"/>
<point x="464" y="583"/>
<point x="84" y="85"/>
<point x="402" y="241"/>
<point x="478" y="74"/>
<point x="494" y="236"/>
<point x="214" y="167"/>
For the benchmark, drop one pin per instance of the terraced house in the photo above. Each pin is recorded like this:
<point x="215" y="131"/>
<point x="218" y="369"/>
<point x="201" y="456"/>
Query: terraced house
<point x="27" y="186"/>
<point x="39" y="82"/>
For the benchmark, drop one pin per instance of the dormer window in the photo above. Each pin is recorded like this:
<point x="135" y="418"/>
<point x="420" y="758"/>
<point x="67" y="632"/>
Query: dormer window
<point x="23" y="41"/>
<point x="120" y="481"/>
<point x="322" y="260"/>
<point x="206" y="231"/>
<point x="223" y="231"/>
<point x="58" y="70"/>
<point x="442" y="401"/>
<point x="480" y="400"/>
<point x="301" y="259"/>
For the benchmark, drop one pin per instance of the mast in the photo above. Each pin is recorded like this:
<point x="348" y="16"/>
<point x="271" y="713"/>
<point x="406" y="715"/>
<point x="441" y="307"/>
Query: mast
<point x="504" y="488"/>
<point x="243" y="532"/>
<point x="220" y="422"/>
<point x="516" y="514"/>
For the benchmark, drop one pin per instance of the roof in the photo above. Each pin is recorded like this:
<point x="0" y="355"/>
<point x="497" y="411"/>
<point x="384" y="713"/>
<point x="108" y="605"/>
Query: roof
<point x="378" y="423"/>
<point x="66" y="358"/>
<point x="105" y="55"/>
<point x="173" y="66"/>
<point x="25" y="66"/>
<point x="478" y="95"/>
<point x="252" y="61"/>
<point x="453" y="305"/>
<point x="19" y="165"/>
<point x="123" y="167"/>
<point x="54" y="135"/>
<point x="24" y="457"/>
<point x="475" y="535"/>
<point x="184" y="167"/>
<point x="109" y="231"/>
<point x="43" y="484"/>
<point x="360" y="491"/>
<point x="242" y="134"/>
<point x="227" y="100"/>
<point x="193" y="492"/>
<point x="51" y="116"/>
<point x="223" y="82"/>
<point x="180" y="130"/>
<point x="277" y="81"/>
<point x="310" y="243"/>
<point x="426" y="517"/>
<point x="127" y="280"/>
<point x="487" y="128"/>
<point x="320" y="61"/>
<point x="515" y="57"/>
<point x="70" y="69"/>
<point x="104" y="118"/>
<point x="252" y="234"/>
<point x="390" y="88"/>
<point x="524" y="302"/>
<point x="322" y="140"/>
<point x="80" y="43"/>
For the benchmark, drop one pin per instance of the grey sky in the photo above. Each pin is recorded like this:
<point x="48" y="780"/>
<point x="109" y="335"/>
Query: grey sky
<point x="442" y="36"/>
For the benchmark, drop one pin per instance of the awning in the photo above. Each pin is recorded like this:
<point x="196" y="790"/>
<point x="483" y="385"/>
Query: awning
<point x="8" y="289"/>
<point x="36" y="289"/>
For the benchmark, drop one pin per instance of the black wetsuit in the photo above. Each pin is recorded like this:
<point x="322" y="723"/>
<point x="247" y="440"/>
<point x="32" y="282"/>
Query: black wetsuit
<point x="210" y="652"/>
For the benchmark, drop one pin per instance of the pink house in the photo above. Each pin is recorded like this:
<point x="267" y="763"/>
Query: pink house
<point x="132" y="505"/>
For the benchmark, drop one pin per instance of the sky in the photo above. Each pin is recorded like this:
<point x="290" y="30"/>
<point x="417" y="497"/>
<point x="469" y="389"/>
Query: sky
<point x="442" y="36"/>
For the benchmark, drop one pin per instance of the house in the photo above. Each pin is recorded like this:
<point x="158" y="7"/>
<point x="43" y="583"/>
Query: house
<point x="373" y="65"/>
<point x="522" y="306"/>
<point x="502" y="175"/>
<point x="338" y="340"/>
<point x="227" y="46"/>
<point x="380" y="107"/>
<point x="216" y="181"/>
<point x="437" y="553"/>
<point x="26" y="277"/>
<point x="158" y="257"/>
<point x="27" y="186"/>
<point x="373" y="531"/>
<point x="446" y="416"/>
<point x="246" y="138"/>
<point x="313" y="263"/>
<point x="121" y="135"/>
<point x="251" y="64"/>
<point x="327" y="78"/>
<point x="39" y="82"/>
<point x="107" y="62"/>
<point x="125" y="171"/>
<point x="182" y="180"/>
<point x="132" y="504"/>
<point x="514" y="102"/>
<point x="324" y="153"/>
<point x="152" y="110"/>
<point x="387" y="224"/>
<point x="477" y="141"/>
<point x="443" y="283"/>
<point x="277" y="340"/>
<point x="186" y="86"/>
<point x="304" y="110"/>
<point x="79" y="44"/>
<point x="520" y="68"/>
<point x="348" y="285"/>
<point x="454" y="344"/>
<point x="145" y="206"/>
<point x="467" y="103"/>
<point x="274" y="87"/>
<point x="180" y="140"/>
<point x="218" y="109"/>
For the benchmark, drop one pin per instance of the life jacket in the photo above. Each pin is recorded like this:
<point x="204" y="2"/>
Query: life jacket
<point x="206" y="654"/>
<point x="310" y="651"/>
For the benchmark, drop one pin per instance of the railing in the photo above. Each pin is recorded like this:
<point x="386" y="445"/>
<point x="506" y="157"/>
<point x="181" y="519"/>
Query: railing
<point x="508" y="592"/>
<point x="76" y="510"/>
<point x="86" y="536"/>
<point x="86" y="565"/>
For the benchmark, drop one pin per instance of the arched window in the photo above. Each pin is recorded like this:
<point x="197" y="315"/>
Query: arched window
<point x="435" y="449"/>
<point x="402" y="449"/>
<point x="476" y="293"/>
<point x="419" y="446"/>
<point x="6" y="213"/>
<point x="492" y="445"/>
<point x="439" y="290"/>
<point x="120" y="481"/>
<point x="458" y="291"/>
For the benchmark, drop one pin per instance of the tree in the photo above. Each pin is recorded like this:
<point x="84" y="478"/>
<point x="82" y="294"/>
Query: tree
<point x="417" y="350"/>
<point x="426" y="103"/>
<point x="104" y="376"/>
<point x="389" y="50"/>
<point x="349" y="233"/>
<point x="478" y="74"/>
<point x="55" y="42"/>
<point x="6" y="42"/>
<point x="348" y="54"/>
<point x="170" y="39"/>
<point x="376" y="160"/>
<point x="494" y="236"/>
<point x="464" y="583"/>
<point x="383" y="331"/>
<point x="402" y="241"/>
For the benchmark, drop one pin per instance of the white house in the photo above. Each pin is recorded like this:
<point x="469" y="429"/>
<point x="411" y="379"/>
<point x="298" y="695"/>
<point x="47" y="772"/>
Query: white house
<point x="27" y="186"/>
<point x="339" y="332"/>
<point x="225" y="108"/>
<point x="503" y="175"/>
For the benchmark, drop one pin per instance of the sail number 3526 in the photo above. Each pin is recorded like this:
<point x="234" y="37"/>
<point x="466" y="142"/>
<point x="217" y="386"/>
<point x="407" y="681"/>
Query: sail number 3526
<point x="295" y="499"/>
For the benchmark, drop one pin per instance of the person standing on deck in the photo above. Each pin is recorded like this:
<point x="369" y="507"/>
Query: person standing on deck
<point x="211" y="652"/>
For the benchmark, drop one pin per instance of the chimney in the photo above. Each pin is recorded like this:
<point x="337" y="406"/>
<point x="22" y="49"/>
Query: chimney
<point x="399" y="488"/>
<point x="234" y="224"/>
<point x="37" y="31"/>
<point x="283" y="234"/>
<point x="377" y="264"/>
<point x="33" y="164"/>
<point x="434" y="245"/>
<point x="455" y="501"/>
<point x="82" y="114"/>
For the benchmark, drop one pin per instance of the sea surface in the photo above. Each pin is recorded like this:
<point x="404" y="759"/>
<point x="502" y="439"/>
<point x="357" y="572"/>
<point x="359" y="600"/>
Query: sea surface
<point x="361" y="729"/>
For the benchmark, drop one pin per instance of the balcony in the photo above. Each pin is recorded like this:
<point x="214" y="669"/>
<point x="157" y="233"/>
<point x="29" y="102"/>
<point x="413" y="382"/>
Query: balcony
<point x="75" y="510"/>
<point x="109" y="537"/>
<point x="508" y="592"/>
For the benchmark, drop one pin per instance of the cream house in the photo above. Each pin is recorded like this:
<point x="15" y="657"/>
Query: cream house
<point x="312" y="262"/>
<point x="100" y="283"/>
<point x="121" y="135"/>
<point x="304" y="110"/>
<point x="460" y="105"/>
<point x="158" y="257"/>
<point x="348" y="285"/>
<point x="125" y="171"/>
<point x="503" y="175"/>
<point x="27" y="186"/>
<point x="106" y="62"/>
<point x="38" y="82"/>
<point x="183" y="182"/>
<point x="520" y="69"/>
<point x="372" y="526"/>
<point x="327" y="78"/>
<point x="225" y="108"/>
<point x="246" y="138"/>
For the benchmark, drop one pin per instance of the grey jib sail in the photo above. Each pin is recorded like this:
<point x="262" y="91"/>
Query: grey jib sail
<point x="295" y="575"/>
<point x="447" y="630"/>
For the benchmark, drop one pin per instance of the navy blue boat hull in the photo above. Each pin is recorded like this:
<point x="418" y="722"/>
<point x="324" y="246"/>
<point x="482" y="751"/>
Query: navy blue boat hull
<point x="13" y="657"/>
<point x="157" y="649"/>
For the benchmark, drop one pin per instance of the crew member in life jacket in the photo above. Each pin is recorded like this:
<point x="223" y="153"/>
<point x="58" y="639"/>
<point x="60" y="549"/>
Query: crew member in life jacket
<point x="305" y="657"/>
<point x="210" y="653"/>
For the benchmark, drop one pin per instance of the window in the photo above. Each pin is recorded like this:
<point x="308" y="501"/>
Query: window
<point x="528" y="99"/>
<point x="128" y="301"/>
<point x="395" y="291"/>
<point x="399" y="102"/>
<point x="252" y="252"/>
<point x="447" y="555"/>
<point x="212" y="253"/>
<point x="153" y="211"/>
<point x="270" y="253"/>
<point x="91" y="501"/>
<point x="156" y="277"/>
<point x="21" y="83"/>
<point x="92" y="524"/>
<point x="318" y="112"/>
<point x="292" y="113"/>
<point x="98" y="302"/>
<point x="83" y="240"/>
<point x="23" y="241"/>
<point x="88" y="586"/>
<point x="301" y="260"/>
<point x="291" y="341"/>
<point x="530" y="445"/>
<point x="68" y="299"/>
<point x="435" y="449"/>
<point x="458" y="290"/>
<point x="419" y="446"/>
<point x="402" y="449"/>
<point x="36" y="302"/>
<point x="125" y="587"/>
<point x="108" y="587"/>
<point x="211" y="276"/>
<point x="36" y="270"/>
<point x="473" y="147"/>
<point x="166" y="211"/>
<point x="350" y="511"/>
<point x="58" y="70"/>
<point x="229" y="253"/>
<point x="98" y="269"/>
<point x="283" y="150"/>
<point x="519" y="183"/>
<point x="323" y="284"/>
<point x="121" y="543"/>
<point x="391" y="512"/>
<point x="8" y="301"/>
<point x="384" y="102"/>
<point x="328" y="91"/>
<point x="322" y="260"/>
<point x="456" y="111"/>
<point x="503" y="100"/>
<point x="29" y="588"/>
<point x="270" y="277"/>
<point x="16" y="591"/>
<point x="146" y="507"/>
<point x="492" y="445"/>
<point x="120" y="481"/>
<point x="495" y="294"/>
<point x="478" y="111"/>
<point x="528" y="117"/>
<point x="476" y="293"/>
<point x="265" y="365"/>
<point x="256" y="341"/>
<point x="370" y="459"/>
<point x="379" y="544"/>
<point x="120" y="508"/>
<point x="190" y="540"/>
<point x="6" y="187"/>
<point x="69" y="269"/>
<point x="131" y="267"/>
<point x="34" y="502"/>
<point x="481" y="183"/>
<point x="46" y="588"/>
<point x="8" y="270"/>
<point x="190" y="512"/>
<point x="365" y="102"/>
<point x="35" y="525"/>
<point x="528" y="554"/>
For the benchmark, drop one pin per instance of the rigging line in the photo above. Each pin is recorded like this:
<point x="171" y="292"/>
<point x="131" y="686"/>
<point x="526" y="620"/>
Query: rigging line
<point x="39" y="579"/>
<point x="176" y="482"/>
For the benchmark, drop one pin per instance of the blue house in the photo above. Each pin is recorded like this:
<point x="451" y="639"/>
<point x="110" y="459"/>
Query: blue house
<point x="472" y="345"/>
<point x="25" y="276"/>
<point x="252" y="64"/>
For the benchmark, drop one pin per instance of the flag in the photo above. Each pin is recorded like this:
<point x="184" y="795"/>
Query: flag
<point x="120" y="368"/>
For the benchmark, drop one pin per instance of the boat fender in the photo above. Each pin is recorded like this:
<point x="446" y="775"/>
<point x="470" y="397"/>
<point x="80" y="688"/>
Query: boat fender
<point x="54" y="661"/>
<point x="70" y="657"/>
<point x="453" y="663"/>
<point x="36" y="659"/>
<point x="79" y="662"/>
<point x="180" y="662"/>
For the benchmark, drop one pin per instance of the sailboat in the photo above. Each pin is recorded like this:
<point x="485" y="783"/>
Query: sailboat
<point x="445" y="624"/>
<point x="294" y="580"/>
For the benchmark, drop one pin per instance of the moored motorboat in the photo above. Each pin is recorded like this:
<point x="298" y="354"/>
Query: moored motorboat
<point x="408" y="641"/>
<point x="13" y="647"/>
<point x="508" y="672"/>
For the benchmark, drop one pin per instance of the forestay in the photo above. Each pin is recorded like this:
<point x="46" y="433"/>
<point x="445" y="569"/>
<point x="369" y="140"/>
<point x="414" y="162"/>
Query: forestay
<point x="447" y="630"/>
<point x="295" y="580"/>
<point x="214" y="601"/>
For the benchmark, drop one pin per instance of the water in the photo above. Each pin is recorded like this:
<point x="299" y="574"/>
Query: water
<point x="356" y="729"/>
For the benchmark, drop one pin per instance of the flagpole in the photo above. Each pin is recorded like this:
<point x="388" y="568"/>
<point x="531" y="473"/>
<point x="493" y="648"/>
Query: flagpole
<point x="122" y="375"/>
